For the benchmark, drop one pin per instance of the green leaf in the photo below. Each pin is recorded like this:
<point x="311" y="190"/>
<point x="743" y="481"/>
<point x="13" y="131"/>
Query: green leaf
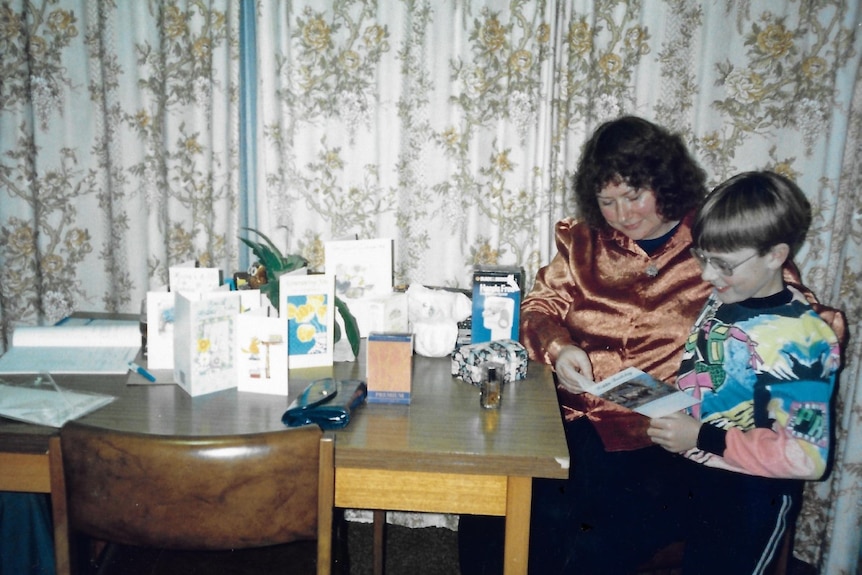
<point x="271" y="257"/>
<point x="272" y="247"/>
<point x="267" y="257"/>
<point x="293" y="262"/>
<point x="255" y="247"/>
<point x="350" y="325"/>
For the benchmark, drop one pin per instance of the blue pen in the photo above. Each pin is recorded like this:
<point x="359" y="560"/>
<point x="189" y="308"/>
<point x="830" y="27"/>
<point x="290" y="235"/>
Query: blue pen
<point x="141" y="371"/>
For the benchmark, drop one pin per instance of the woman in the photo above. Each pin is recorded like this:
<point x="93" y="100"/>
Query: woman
<point x="623" y="290"/>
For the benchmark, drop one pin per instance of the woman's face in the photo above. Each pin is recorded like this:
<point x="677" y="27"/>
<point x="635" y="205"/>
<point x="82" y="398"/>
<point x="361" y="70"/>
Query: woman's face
<point x="632" y="211"/>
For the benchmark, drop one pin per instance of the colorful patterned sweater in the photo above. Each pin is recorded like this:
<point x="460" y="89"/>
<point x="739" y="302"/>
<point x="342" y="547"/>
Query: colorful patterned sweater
<point x="765" y="371"/>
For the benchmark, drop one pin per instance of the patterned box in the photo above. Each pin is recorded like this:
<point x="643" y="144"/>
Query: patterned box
<point x="467" y="360"/>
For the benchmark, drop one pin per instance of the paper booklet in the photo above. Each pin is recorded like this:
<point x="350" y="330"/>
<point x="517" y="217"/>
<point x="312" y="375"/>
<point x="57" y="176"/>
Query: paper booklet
<point x="205" y="340"/>
<point x="161" y="301"/>
<point x="95" y="346"/>
<point x="639" y="391"/>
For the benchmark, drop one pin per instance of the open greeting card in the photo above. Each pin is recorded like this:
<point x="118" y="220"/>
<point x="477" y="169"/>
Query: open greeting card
<point x="642" y="393"/>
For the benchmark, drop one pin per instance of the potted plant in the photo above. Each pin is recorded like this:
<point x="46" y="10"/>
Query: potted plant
<point x="274" y="264"/>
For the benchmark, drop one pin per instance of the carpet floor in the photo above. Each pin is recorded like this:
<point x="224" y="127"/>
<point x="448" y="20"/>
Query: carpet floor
<point x="425" y="551"/>
<point x="420" y="551"/>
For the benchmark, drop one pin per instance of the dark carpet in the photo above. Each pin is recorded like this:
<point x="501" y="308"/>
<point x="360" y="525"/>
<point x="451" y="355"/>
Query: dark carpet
<point x="422" y="551"/>
<point x="425" y="551"/>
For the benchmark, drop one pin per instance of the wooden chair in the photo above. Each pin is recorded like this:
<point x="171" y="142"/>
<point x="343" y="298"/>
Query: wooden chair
<point x="192" y="493"/>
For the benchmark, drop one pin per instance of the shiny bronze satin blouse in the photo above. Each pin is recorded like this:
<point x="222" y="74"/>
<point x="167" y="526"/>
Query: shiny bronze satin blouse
<point x="604" y="294"/>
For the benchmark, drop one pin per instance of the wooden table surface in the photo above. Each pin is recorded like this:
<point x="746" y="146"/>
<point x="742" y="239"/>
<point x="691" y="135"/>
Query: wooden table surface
<point x="443" y="429"/>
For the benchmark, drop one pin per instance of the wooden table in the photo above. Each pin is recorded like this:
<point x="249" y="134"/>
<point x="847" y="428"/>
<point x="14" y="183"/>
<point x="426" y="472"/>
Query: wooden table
<point x="442" y="453"/>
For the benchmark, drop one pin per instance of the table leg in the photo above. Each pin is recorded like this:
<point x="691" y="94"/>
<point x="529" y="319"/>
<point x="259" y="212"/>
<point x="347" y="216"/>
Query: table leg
<point x="379" y="546"/>
<point x="518" y="501"/>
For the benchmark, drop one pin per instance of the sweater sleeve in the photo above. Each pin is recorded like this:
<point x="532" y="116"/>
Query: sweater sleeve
<point x="758" y="451"/>
<point x="796" y="446"/>
<point x="773" y="453"/>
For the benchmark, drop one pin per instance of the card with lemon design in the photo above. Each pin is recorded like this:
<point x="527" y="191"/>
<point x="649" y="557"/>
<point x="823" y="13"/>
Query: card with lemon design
<point x="307" y="304"/>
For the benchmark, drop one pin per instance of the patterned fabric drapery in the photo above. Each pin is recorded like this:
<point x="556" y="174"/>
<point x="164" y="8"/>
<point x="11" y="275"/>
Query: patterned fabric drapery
<point x="452" y="127"/>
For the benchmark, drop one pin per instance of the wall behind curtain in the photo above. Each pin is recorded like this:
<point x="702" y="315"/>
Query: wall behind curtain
<point x="452" y="126"/>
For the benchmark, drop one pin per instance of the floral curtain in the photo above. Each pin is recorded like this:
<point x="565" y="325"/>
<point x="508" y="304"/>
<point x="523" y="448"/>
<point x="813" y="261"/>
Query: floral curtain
<point x="118" y="130"/>
<point x="450" y="126"/>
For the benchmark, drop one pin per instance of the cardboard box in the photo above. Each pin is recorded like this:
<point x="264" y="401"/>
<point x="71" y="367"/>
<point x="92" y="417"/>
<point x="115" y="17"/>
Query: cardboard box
<point x="468" y="361"/>
<point x="389" y="367"/>
<point x="496" y="303"/>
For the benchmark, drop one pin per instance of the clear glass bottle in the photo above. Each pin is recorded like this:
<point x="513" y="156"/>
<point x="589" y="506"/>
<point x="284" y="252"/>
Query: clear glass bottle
<point x="491" y="393"/>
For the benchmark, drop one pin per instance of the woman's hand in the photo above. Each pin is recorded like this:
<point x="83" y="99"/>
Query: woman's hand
<point x="676" y="432"/>
<point x="574" y="370"/>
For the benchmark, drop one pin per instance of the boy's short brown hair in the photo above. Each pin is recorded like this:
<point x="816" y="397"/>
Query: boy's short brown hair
<point x="753" y="210"/>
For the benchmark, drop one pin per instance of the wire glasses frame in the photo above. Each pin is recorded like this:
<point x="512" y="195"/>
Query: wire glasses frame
<point x="719" y="264"/>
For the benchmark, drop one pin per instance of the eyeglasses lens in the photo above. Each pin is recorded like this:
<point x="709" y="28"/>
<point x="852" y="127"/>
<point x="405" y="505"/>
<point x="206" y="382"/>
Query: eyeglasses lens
<point x="722" y="266"/>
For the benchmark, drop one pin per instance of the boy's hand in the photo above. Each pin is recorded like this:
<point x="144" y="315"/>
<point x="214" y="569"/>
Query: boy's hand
<point x="676" y="432"/>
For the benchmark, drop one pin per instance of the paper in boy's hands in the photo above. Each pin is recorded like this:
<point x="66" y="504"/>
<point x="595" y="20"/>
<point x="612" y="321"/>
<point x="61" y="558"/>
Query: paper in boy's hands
<point x="642" y="393"/>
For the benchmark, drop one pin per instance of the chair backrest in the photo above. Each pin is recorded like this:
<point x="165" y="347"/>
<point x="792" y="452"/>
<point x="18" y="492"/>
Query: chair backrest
<point x="218" y="492"/>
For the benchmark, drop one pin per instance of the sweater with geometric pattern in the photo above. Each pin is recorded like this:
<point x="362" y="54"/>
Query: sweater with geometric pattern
<point x="765" y="371"/>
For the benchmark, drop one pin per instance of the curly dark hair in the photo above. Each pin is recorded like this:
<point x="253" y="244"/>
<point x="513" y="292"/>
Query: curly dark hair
<point x="643" y="155"/>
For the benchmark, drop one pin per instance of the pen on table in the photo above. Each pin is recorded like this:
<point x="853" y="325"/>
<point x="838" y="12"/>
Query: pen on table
<point x="141" y="371"/>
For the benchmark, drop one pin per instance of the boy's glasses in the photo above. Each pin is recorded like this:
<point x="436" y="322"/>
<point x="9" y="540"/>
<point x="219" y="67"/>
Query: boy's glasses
<point x="719" y="264"/>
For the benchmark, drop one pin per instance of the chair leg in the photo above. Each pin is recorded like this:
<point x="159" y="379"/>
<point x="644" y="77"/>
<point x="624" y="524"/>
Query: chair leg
<point x="62" y="547"/>
<point x="325" y="505"/>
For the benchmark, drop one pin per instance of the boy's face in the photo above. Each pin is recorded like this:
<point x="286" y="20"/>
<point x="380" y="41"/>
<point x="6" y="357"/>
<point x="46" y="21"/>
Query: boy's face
<point x="750" y="275"/>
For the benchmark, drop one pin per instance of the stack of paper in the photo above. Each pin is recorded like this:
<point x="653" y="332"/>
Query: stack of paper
<point x="96" y="346"/>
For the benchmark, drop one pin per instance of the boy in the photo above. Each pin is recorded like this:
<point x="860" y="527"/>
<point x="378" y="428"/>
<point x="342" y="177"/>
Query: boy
<point x="764" y="365"/>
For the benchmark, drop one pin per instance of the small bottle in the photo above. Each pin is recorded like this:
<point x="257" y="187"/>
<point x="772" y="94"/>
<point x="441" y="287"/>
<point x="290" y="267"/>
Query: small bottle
<point x="491" y="392"/>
